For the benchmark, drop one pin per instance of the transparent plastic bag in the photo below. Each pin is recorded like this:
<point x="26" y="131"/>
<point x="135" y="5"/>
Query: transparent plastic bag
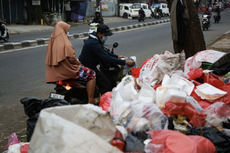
<point x="146" y="116"/>
<point x="13" y="139"/>
<point x="217" y="113"/>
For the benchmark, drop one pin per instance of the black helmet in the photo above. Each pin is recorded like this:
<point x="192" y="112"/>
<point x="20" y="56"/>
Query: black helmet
<point x="97" y="12"/>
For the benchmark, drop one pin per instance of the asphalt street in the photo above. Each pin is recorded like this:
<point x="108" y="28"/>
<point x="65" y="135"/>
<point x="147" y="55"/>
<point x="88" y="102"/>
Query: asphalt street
<point x="22" y="72"/>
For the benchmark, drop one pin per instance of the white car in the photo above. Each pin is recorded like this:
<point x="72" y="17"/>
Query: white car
<point x="163" y="7"/>
<point x="136" y="7"/>
<point x="125" y="10"/>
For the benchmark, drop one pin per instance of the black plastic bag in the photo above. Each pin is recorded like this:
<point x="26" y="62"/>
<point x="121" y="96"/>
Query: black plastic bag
<point x="220" y="140"/>
<point x="32" y="108"/>
<point x="133" y="144"/>
<point x="31" y="122"/>
<point x="32" y="105"/>
<point x="51" y="102"/>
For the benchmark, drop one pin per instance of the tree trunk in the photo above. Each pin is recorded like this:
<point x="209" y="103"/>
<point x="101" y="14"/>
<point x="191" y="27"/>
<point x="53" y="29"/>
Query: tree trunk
<point x="194" y="35"/>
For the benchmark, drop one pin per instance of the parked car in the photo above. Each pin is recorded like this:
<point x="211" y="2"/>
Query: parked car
<point x="125" y="10"/>
<point x="136" y="7"/>
<point x="163" y="7"/>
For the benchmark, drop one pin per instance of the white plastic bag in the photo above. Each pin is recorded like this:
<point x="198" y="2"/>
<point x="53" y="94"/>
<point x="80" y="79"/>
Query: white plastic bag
<point x="159" y="65"/>
<point x="122" y="95"/>
<point x="195" y="61"/>
<point x="58" y="130"/>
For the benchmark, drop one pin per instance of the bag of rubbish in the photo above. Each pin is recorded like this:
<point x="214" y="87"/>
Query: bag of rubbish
<point x="52" y="102"/>
<point x="105" y="101"/>
<point x="76" y="128"/>
<point x="220" y="140"/>
<point x="195" y="61"/>
<point x="145" y="117"/>
<point x="217" y="113"/>
<point x="222" y="65"/>
<point x="122" y="95"/>
<point x="213" y="80"/>
<point x="133" y="144"/>
<point x="159" y="65"/>
<point x="196" y="117"/>
<point x="13" y="139"/>
<point x="18" y="148"/>
<point x="169" y="141"/>
<point x="118" y="141"/>
<point x="31" y="123"/>
<point x="32" y="105"/>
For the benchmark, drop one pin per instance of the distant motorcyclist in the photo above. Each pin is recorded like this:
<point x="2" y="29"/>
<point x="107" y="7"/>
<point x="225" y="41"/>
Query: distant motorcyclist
<point x="141" y="13"/>
<point x="98" y="18"/>
<point x="207" y="12"/>
<point x="3" y="28"/>
<point x="217" y="10"/>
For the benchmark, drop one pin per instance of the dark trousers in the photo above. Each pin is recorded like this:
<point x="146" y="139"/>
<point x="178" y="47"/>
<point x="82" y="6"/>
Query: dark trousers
<point x="107" y="80"/>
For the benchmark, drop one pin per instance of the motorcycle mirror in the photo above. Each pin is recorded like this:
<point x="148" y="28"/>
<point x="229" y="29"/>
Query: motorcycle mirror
<point x="115" y="45"/>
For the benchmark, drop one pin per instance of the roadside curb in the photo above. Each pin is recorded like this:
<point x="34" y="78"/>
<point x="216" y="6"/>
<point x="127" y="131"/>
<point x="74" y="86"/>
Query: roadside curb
<point x="44" y="41"/>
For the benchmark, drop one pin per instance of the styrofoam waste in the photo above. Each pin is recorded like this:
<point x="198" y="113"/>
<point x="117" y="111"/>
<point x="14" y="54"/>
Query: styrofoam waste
<point x="169" y="93"/>
<point x="209" y="92"/>
<point x="179" y="82"/>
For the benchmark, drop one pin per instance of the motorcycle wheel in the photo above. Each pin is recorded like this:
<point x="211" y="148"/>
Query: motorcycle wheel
<point x="7" y="38"/>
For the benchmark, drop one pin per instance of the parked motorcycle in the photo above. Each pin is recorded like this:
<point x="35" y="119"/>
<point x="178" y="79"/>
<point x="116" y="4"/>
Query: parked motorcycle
<point x="205" y="22"/>
<point x="6" y="38"/>
<point x="217" y="18"/>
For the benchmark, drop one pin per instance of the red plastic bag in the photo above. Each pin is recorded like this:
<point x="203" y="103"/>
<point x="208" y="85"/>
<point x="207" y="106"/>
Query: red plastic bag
<point x="24" y="148"/>
<point x="135" y="72"/>
<point x="105" y="101"/>
<point x="213" y="80"/>
<point x="195" y="73"/>
<point x="118" y="141"/>
<point x="176" y="142"/>
<point x="197" y="119"/>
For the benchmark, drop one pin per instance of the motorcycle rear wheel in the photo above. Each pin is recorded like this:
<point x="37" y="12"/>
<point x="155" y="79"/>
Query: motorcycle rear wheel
<point x="7" y="38"/>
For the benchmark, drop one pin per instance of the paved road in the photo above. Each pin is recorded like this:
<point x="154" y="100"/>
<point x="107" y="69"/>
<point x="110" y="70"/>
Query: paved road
<point x="76" y="28"/>
<point x="22" y="72"/>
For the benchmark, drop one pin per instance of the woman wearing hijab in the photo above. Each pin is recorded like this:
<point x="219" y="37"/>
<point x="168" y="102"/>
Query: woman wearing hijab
<point x="62" y="64"/>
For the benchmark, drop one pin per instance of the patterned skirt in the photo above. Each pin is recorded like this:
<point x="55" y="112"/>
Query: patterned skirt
<point x="85" y="74"/>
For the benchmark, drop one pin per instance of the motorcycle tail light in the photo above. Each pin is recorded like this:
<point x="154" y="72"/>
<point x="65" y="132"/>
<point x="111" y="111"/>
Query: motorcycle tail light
<point x="68" y="87"/>
<point x="60" y="82"/>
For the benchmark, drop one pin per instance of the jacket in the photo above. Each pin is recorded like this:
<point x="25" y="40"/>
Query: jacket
<point x="93" y="52"/>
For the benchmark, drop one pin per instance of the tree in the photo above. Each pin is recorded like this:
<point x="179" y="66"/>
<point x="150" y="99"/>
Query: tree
<point x="194" y="41"/>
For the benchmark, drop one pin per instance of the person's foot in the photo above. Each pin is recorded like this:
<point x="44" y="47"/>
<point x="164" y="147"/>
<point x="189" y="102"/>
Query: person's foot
<point x="93" y="101"/>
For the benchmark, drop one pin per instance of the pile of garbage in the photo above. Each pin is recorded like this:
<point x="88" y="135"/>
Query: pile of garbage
<point x="168" y="105"/>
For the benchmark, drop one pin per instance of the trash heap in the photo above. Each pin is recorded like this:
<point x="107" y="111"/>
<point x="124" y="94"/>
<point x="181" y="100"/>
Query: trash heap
<point x="168" y="105"/>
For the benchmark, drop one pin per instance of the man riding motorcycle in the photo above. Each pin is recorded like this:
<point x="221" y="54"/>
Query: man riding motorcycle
<point x="141" y="13"/>
<point x="94" y="53"/>
<point x="3" y="29"/>
<point x="207" y="12"/>
<point x="98" y="18"/>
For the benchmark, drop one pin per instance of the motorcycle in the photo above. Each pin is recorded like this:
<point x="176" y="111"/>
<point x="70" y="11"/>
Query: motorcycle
<point x="157" y="16"/>
<point x="217" y="18"/>
<point x="74" y="91"/>
<point x="205" y="22"/>
<point x="6" y="38"/>
<point x="141" y="18"/>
